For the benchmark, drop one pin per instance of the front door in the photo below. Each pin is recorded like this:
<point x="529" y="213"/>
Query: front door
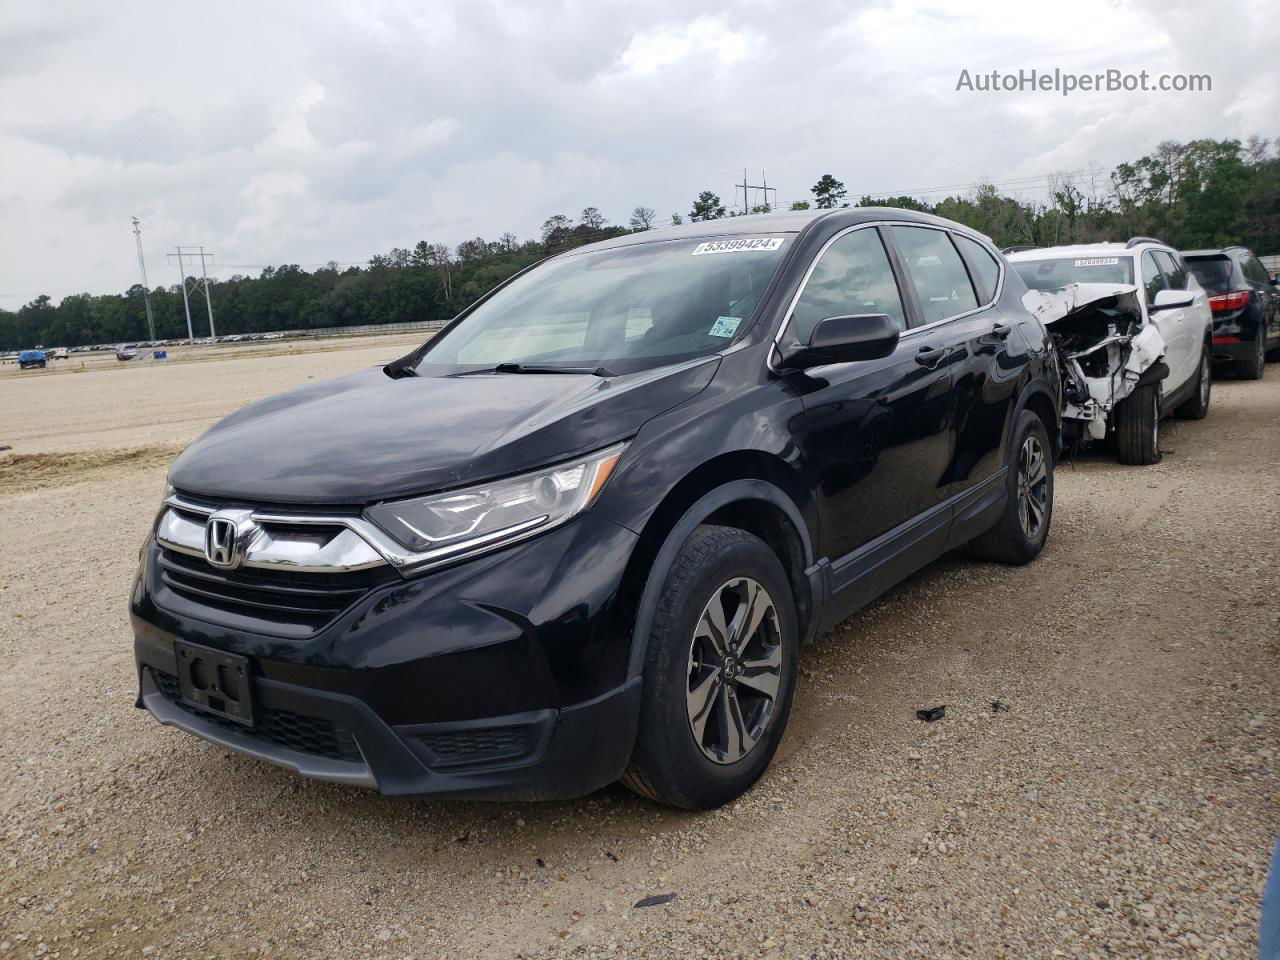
<point x="1182" y="355"/>
<point x="874" y="432"/>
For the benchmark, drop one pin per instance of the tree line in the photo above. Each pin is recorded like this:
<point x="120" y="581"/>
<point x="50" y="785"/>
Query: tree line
<point x="1196" y="194"/>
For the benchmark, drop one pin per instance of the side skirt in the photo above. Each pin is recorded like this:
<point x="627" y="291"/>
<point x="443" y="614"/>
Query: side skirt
<point x="861" y="575"/>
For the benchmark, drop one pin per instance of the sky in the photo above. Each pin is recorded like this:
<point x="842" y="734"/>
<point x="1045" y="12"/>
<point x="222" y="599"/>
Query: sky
<point x="301" y="133"/>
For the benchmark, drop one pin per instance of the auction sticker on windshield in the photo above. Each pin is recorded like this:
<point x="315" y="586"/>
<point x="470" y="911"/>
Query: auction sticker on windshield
<point x="738" y="245"/>
<point x="1097" y="262"/>
<point x="725" y="326"/>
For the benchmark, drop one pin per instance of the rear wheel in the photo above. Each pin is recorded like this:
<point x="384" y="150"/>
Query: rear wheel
<point x="1196" y="407"/>
<point x="1019" y="536"/>
<point x="1137" y="426"/>
<point x="1254" y="364"/>
<point x="719" y="672"/>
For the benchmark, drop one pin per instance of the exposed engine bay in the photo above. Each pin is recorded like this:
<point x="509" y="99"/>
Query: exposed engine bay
<point x="1104" y="348"/>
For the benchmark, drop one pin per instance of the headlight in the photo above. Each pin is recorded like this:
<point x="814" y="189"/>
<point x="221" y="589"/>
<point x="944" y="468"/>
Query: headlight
<point x="459" y="521"/>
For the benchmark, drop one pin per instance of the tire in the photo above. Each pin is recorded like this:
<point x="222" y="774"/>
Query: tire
<point x="1253" y="365"/>
<point x="684" y="666"/>
<point x="1196" y="406"/>
<point x="1020" y="534"/>
<point x="1137" y="426"/>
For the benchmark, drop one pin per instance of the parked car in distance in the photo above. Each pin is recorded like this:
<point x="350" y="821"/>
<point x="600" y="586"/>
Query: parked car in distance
<point x="32" y="359"/>
<point x="1246" y="307"/>
<point x="1137" y="346"/>
<point x="581" y="534"/>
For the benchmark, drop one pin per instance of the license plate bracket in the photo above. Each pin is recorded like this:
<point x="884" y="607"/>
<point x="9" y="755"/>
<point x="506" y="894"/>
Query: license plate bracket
<point x="215" y="682"/>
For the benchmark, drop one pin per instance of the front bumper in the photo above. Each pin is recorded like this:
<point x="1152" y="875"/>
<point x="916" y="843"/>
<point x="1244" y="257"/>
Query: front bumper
<point x="541" y="755"/>
<point x="501" y="677"/>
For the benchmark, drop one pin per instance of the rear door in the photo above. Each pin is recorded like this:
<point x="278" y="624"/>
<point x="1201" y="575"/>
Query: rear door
<point x="988" y="362"/>
<point x="874" y="432"/>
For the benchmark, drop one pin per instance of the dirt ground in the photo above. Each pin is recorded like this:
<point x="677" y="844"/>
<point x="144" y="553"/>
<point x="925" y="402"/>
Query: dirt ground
<point x="1104" y="784"/>
<point x="128" y="406"/>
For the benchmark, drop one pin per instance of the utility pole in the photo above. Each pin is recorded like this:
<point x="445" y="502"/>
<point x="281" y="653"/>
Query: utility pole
<point x="142" y="266"/>
<point x="763" y="185"/>
<point x="202" y="280"/>
<point x="182" y="278"/>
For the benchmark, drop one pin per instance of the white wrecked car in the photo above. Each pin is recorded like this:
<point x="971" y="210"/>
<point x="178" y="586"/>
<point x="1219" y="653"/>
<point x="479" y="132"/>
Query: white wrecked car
<point x="1132" y="327"/>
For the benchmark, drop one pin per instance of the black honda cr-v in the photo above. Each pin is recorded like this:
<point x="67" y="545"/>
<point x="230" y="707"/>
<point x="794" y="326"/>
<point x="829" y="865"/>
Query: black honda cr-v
<point x="582" y="533"/>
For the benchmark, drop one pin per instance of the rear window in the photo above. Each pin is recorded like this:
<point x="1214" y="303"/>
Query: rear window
<point x="1214" y="273"/>
<point x="1057" y="272"/>
<point x="980" y="259"/>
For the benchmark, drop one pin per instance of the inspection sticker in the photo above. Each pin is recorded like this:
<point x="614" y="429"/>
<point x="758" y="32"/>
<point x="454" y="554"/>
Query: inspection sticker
<point x="725" y="326"/>
<point x="738" y="245"/>
<point x="1097" y="262"/>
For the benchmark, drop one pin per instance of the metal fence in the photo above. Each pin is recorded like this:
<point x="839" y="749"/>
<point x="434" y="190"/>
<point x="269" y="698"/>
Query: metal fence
<point x="368" y="328"/>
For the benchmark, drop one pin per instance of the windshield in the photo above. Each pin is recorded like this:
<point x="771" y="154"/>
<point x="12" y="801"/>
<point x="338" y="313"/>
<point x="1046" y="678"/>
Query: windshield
<point x="1056" y="273"/>
<point x="623" y="310"/>
<point x="1214" y="273"/>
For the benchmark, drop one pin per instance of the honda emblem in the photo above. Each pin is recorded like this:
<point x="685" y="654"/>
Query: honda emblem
<point x="223" y="542"/>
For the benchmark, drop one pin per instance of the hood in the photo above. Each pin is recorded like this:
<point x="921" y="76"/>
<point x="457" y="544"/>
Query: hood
<point x="365" y="437"/>
<point x="1050" y="306"/>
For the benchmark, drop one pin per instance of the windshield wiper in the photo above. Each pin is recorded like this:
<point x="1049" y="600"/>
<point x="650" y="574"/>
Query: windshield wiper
<point x="535" y="368"/>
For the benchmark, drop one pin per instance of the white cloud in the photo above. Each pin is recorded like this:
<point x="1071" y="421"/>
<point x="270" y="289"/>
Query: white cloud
<point x="708" y="38"/>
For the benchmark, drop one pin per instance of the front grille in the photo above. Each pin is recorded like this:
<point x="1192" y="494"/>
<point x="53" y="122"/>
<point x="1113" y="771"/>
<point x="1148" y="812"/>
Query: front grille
<point x="477" y="746"/>
<point x="283" y="728"/>
<point x="299" y="603"/>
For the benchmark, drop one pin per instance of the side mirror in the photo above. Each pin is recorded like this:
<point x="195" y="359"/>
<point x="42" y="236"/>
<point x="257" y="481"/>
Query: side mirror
<point x="1172" y="299"/>
<point x="862" y="336"/>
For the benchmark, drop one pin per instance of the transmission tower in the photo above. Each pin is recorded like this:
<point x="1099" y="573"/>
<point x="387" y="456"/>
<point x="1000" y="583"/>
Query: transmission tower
<point x="200" y="281"/>
<point x="142" y="267"/>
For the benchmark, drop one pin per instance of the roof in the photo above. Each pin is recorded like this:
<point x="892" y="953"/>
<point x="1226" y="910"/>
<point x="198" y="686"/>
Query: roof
<point x="783" y="221"/>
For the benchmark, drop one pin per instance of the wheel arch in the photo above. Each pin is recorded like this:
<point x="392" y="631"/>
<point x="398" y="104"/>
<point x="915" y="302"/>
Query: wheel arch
<point x="748" y="490"/>
<point x="1041" y="400"/>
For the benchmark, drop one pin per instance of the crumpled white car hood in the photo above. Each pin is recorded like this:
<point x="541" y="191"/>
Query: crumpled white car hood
<point x="1051" y="306"/>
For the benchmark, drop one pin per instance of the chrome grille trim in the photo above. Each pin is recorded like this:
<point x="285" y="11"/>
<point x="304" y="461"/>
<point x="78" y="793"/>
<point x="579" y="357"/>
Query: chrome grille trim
<point x="323" y="551"/>
<point x="306" y="560"/>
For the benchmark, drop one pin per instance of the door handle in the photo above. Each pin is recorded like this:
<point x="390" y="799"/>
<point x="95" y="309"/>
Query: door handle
<point x="932" y="356"/>
<point x="1001" y="331"/>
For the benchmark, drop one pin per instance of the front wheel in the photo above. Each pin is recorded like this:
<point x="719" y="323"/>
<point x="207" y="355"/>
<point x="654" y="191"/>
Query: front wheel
<point x="1024" y="525"/>
<point x="1137" y="426"/>
<point x="719" y="672"/>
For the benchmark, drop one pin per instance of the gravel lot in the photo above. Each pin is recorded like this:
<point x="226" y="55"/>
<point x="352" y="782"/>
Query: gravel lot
<point x="1120" y="801"/>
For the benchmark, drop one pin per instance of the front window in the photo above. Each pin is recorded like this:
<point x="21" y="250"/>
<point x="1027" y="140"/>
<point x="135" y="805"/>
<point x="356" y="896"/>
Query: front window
<point x="1154" y="280"/>
<point x="1057" y="272"/>
<point x="853" y="276"/>
<point x="621" y="310"/>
